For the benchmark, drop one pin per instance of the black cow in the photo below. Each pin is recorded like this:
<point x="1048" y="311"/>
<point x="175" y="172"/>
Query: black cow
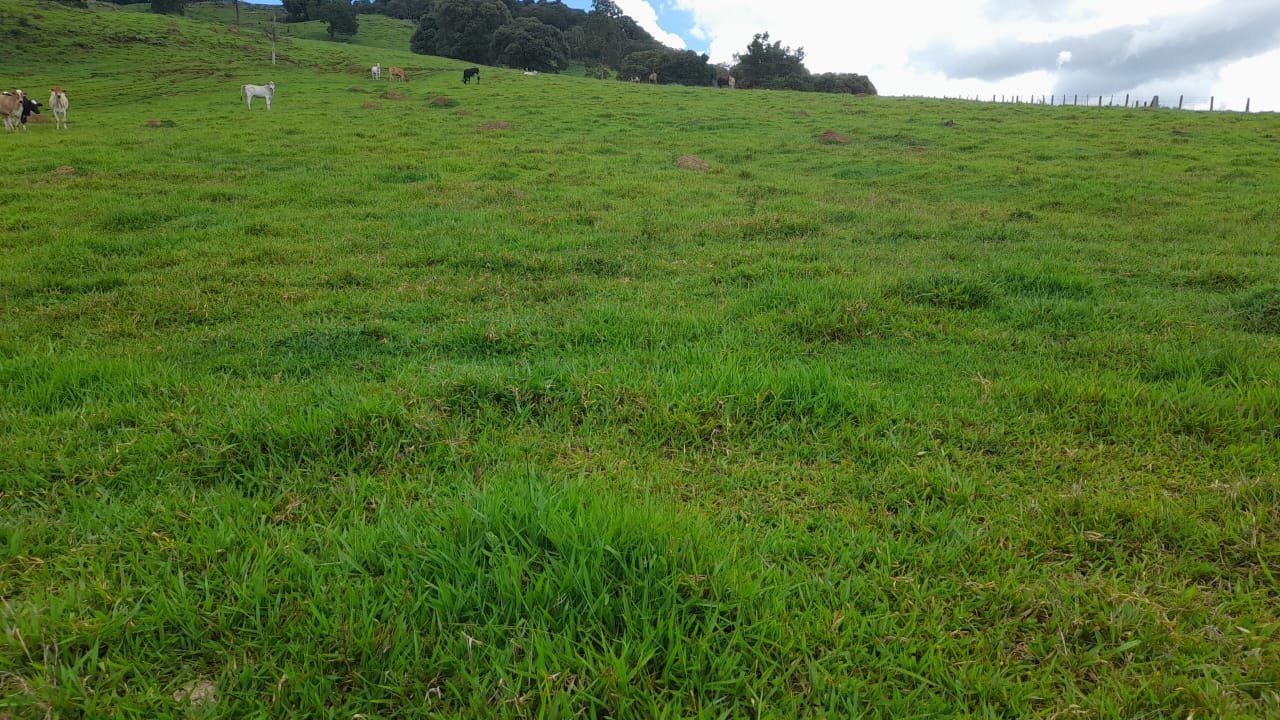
<point x="471" y="73"/>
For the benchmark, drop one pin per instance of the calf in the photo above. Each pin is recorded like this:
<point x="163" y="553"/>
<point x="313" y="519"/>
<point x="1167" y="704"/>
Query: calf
<point x="653" y="78"/>
<point x="266" y="92"/>
<point x="471" y="73"/>
<point x="376" y="70"/>
<point x="395" y="72"/>
<point x="58" y="103"/>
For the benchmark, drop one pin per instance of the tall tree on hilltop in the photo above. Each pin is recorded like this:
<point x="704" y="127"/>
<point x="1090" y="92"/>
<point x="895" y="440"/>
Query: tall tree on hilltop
<point x="604" y="40"/>
<point x="461" y="29"/>
<point x="338" y="15"/>
<point x="771" y="66"/>
<point x="530" y="44"/>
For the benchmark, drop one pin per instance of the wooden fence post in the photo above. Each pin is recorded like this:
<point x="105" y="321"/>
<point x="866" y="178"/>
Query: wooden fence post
<point x="1076" y="100"/>
<point x="1210" y="103"/>
<point x="1246" y="104"/>
<point x="1126" y="99"/>
<point x="1179" y="102"/>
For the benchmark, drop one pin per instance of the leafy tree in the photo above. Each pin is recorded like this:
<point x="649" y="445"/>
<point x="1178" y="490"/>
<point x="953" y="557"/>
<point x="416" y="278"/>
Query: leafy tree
<point x="851" y="83"/>
<point x="296" y="10"/>
<point x="684" y="67"/>
<point x="772" y="66"/>
<point x="603" y="37"/>
<point x="555" y="14"/>
<point x="337" y="14"/>
<point x="461" y="29"/>
<point x="169" y="7"/>
<point x="532" y="44"/>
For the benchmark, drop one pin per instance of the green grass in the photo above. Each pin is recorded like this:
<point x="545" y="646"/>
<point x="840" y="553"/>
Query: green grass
<point x="363" y="406"/>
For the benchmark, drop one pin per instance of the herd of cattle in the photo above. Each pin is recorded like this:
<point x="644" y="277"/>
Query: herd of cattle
<point x="395" y="73"/>
<point x="17" y="106"/>
<point x="268" y="91"/>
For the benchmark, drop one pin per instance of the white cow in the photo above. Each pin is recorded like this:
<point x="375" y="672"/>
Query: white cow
<point x="58" y="102"/>
<point x="263" y="91"/>
<point x="377" y="71"/>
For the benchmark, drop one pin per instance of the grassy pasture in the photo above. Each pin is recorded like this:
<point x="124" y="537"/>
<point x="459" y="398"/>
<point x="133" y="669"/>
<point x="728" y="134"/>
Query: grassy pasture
<point x="418" y="399"/>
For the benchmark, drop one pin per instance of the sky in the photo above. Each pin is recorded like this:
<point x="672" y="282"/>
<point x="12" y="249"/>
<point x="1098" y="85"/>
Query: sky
<point x="1225" y="49"/>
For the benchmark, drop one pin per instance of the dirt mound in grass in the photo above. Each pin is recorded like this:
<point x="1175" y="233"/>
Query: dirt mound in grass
<point x="38" y="119"/>
<point x="63" y="171"/>
<point x="160" y="123"/>
<point x="392" y="95"/>
<point x="369" y="106"/>
<point x="441" y="101"/>
<point x="831" y="137"/>
<point x="692" y="162"/>
<point x="495" y="125"/>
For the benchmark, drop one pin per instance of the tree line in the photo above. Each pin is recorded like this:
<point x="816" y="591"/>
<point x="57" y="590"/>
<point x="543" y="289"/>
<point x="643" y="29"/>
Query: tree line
<point x="549" y="36"/>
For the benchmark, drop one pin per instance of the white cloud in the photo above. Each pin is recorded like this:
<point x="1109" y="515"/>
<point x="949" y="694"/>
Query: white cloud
<point x="883" y="39"/>
<point x="646" y="17"/>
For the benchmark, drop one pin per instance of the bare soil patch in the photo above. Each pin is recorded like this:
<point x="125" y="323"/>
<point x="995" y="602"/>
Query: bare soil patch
<point x="831" y="137"/>
<point x="496" y="125"/>
<point x="692" y="162"/>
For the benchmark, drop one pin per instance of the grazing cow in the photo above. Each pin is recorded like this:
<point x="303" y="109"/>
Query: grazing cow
<point x="395" y="72"/>
<point x="733" y="82"/>
<point x="531" y="73"/>
<point x="266" y="92"/>
<point x="653" y="78"/>
<point x="376" y="70"/>
<point x="471" y="73"/>
<point x="58" y="103"/>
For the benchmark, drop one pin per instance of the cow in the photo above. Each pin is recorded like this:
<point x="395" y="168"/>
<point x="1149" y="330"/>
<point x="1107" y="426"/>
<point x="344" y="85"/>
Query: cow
<point x="733" y="82"/>
<point x="395" y="72"/>
<point x="376" y="71"/>
<point x="58" y="103"/>
<point x="29" y="106"/>
<point x="15" y="107"/>
<point x="653" y="78"/>
<point x="471" y="73"/>
<point x="263" y="91"/>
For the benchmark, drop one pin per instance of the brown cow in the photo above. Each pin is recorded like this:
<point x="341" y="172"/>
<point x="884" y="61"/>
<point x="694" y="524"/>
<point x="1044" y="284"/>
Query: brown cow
<point x="395" y="72"/>
<point x="11" y="105"/>
<point x="653" y="78"/>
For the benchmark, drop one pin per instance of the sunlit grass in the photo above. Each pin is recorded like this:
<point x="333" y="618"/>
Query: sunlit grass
<point x="370" y="405"/>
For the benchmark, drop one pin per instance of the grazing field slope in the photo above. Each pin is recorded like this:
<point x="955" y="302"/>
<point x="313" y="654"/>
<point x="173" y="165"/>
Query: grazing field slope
<point x="550" y="396"/>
